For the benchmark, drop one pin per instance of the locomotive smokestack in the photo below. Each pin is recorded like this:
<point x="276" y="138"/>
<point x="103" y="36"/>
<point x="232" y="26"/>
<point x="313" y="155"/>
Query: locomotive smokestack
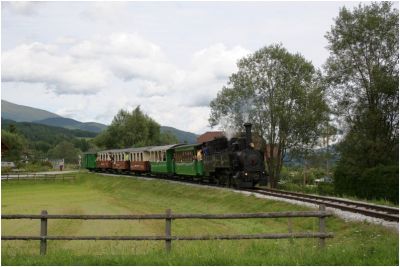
<point x="248" y="133"/>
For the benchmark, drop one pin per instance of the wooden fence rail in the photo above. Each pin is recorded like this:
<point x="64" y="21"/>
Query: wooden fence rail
<point x="37" y="176"/>
<point x="168" y="217"/>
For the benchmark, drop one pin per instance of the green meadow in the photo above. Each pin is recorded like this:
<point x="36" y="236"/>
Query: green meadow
<point x="355" y="243"/>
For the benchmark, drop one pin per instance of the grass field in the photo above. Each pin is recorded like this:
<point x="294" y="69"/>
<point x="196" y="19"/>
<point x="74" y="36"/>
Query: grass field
<point x="353" y="244"/>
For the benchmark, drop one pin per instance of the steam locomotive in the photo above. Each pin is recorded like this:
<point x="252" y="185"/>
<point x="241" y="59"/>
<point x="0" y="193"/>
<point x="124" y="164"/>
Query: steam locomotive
<point x="232" y="163"/>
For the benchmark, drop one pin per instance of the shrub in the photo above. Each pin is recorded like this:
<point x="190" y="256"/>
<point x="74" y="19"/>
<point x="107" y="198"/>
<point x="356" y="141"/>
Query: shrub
<point x="380" y="182"/>
<point x="325" y="189"/>
<point x="37" y="166"/>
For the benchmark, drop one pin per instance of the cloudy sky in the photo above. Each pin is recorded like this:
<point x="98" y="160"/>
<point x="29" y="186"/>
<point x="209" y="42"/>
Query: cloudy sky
<point x="87" y="60"/>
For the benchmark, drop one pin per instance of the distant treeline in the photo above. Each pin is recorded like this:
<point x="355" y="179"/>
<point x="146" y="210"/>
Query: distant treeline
<point x="39" y="141"/>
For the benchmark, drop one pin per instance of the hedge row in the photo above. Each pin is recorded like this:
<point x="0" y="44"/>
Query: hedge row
<point x="381" y="182"/>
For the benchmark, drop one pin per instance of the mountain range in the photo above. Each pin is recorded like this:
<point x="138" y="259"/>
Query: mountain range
<point x="20" y="113"/>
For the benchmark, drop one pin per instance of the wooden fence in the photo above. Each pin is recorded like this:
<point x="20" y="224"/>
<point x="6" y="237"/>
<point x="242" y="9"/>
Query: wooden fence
<point x="321" y="214"/>
<point x="37" y="176"/>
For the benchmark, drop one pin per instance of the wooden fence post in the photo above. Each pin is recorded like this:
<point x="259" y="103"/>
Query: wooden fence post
<point x="43" y="234"/>
<point x="168" y="222"/>
<point x="322" y="227"/>
<point x="290" y="228"/>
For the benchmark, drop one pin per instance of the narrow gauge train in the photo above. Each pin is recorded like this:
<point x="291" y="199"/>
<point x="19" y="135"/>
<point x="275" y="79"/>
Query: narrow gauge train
<point x="233" y="163"/>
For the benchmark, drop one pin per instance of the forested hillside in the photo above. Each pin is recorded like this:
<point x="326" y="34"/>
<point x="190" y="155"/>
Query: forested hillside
<point x="39" y="140"/>
<point x="73" y="124"/>
<point x="182" y="136"/>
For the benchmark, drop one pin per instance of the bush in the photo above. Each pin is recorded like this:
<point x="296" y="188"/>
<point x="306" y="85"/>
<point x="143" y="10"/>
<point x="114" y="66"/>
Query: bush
<point x="37" y="166"/>
<point x="6" y="169"/>
<point x="380" y="182"/>
<point x="325" y="189"/>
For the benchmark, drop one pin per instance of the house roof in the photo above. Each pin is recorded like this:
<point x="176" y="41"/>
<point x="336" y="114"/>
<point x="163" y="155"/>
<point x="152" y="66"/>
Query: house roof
<point x="209" y="136"/>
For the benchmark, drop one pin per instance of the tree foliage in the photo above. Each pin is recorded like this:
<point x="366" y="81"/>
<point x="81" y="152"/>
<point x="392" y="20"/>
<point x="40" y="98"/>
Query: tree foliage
<point x="65" y="150"/>
<point x="16" y="143"/>
<point x="133" y="129"/>
<point x="41" y="138"/>
<point x="363" y="73"/>
<point x="280" y="94"/>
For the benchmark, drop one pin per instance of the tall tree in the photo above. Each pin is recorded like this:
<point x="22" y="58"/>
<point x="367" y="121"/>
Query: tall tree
<point x="16" y="143"/>
<point x="364" y="76"/>
<point x="363" y="73"/>
<point x="65" y="150"/>
<point x="133" y="129"/>
<point x="280" y="94"/>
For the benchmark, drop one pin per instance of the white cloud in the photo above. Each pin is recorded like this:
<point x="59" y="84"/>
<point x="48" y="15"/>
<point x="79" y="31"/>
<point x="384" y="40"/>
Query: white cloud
<point x="27" y="8"/>
<point x="210" y="70"/>
<point x="121" y="70"/>
<point x="109" y="12"/>
<point x="63" y="74"/>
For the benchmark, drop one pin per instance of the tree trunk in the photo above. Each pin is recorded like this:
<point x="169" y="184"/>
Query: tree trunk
<point x="274" y="164"/>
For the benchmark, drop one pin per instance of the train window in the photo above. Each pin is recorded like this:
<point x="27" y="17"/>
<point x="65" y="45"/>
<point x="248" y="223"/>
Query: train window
<point x="184" y="156"/>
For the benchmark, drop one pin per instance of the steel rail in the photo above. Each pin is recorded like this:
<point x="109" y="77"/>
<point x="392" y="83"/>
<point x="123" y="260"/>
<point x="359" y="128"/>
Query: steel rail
<point x="376" y="211"/>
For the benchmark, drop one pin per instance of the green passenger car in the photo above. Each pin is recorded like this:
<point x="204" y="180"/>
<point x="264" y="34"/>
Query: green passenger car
<point x="188" y="160"/>
<point x="161" y="159"/>
<point x="88" y="161"/>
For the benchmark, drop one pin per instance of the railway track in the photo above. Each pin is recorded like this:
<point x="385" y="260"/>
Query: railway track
<point x="376" y="211"/>
<point x="372" y="210"/>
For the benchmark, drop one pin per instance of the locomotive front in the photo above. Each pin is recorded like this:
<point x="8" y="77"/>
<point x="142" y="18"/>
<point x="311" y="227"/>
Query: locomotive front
<point x="248" y="163"/>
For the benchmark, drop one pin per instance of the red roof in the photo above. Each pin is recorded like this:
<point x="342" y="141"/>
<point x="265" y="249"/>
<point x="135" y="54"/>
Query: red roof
<point x="208" y="136"/>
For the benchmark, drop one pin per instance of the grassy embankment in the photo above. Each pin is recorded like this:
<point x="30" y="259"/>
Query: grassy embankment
<point x="353" y="244"/>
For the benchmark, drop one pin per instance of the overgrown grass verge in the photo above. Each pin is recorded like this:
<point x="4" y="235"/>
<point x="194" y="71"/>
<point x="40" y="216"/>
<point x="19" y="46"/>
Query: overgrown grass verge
<point x="353" y="244"/>
<point x="324" y="189"/>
